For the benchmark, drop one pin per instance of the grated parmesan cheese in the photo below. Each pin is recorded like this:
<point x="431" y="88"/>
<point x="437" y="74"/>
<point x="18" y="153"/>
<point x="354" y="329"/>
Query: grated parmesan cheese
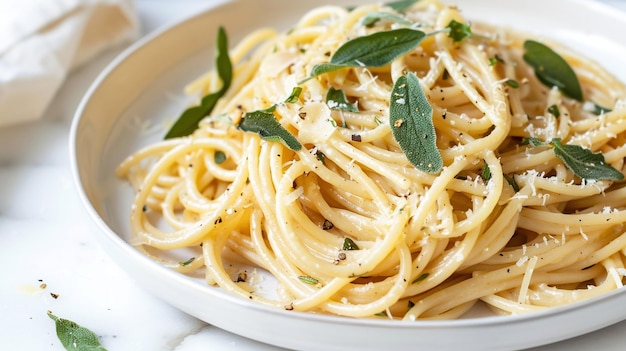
<point x="523" y="294"/>
<point x="521" y="261"/>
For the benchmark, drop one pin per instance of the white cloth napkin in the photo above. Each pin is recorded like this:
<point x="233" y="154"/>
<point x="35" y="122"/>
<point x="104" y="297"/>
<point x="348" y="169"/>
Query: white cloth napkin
<point x="41" y="41"/>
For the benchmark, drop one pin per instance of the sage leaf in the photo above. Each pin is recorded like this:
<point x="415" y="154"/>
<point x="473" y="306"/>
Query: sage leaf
<point x="294" y="96"/>
<point x="308" y="280"/>
<point x="187" y="262"/>
<point x="458" y="31"/>
<point x="486" y="173"/>
<point x="411" y="122"/>
<point x="584" y="163"/>
<point x="512" y="83"/>
<point x="551" y="69"/>
<point x="74" y="337"/>
<point x="512" y="182"/>
<point x="532" y="141"/>
<point x="495" y="59"/>
<point x="420" y="278"/>
<point x="374" y="50"/>
<point x="268" y="128"/>
<point x="598" y="110"/>
<point x="554" y="111"/>
<point x="336" y="100"/>
<point x="188" y="121"/>
<point x="401" y="5"/>
<point x="349" y="245"/>
<point x="219" y="157"/>
<point x="374" y="17"/>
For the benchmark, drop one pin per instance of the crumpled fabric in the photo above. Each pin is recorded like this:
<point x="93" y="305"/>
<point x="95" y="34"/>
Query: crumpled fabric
<point x="41" y="41"/>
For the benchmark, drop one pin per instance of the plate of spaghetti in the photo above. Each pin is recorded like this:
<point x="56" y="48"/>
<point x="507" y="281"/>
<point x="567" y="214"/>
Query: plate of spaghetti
<point x="357" y="175"/>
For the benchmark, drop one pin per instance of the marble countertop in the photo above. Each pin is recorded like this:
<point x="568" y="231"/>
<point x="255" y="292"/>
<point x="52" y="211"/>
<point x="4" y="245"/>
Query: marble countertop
<point x="51" y="262"/>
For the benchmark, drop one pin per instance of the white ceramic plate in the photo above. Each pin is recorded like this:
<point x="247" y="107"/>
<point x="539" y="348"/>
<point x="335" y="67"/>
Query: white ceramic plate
<point x="129" y="103"/>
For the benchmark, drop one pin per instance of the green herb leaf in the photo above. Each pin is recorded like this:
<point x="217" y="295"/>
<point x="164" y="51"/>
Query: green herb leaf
<point x="512" y="83"/>
<point x="349" y="244"/>
<point x="495" y="59"/>
<point x="554" y="110"/>
<point x="219" y="157"/>
<point x="372" y="18"/>
<point x="295" y="95"/>
<point x="374" y="50"/>
<point x="551" y="69"/>
<point x="320" y="156"/>
<point x="308" y="280"/>
<point x="486" y="173"/>
<point x="188" y="122"/>
<point x="458" y="31"/>
<point x="187" y="262"/>
<point x="336" y="100"/>
<point x="420" y="278"/>
<point x="410" y="117"/>
<point x="532" y="141"/>
<point x="512" y="182"/>
<point x="598" y="110"/>
<point x="74" y="337"/>
<point x="584" y="163"/>
<point x="268" y="128"/>
<point x="401" y="5"/>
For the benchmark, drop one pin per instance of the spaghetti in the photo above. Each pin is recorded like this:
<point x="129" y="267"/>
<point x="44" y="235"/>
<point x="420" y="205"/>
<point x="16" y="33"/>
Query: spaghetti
<point x="346" y="224"/>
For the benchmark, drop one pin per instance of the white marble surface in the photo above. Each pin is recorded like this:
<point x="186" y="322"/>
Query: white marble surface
<point x="47" y="238"/>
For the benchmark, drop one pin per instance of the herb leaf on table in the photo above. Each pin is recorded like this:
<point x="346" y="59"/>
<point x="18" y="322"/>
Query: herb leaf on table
<point x="75" y="337"/>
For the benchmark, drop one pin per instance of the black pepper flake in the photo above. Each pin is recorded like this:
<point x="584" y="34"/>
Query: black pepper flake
<point x="445" y="75"/>
<point x="144" y="208"/>
<point x="242" y="277"/>
<point x="356" y="137"/>
<point x="218" y="220"/>
<point x="54" y="296"/>
<point x="320" y="156"/>
<point x="327" y="225"/>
